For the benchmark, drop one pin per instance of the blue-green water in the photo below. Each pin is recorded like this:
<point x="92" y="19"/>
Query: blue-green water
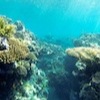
<point x="60" y="18"/>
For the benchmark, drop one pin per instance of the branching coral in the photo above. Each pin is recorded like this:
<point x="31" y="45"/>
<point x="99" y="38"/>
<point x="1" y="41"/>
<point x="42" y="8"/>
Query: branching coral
<point x="85" y="53"/>
<point x="6" y="29"/>
<point x="17" y="51"/>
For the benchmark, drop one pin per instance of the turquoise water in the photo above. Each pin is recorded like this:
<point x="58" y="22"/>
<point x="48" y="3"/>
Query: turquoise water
<point x="60" y="18"/>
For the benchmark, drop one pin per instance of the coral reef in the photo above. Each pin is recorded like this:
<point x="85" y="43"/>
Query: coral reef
<point x="31" y="69"/>
<point x="19" y="76"/>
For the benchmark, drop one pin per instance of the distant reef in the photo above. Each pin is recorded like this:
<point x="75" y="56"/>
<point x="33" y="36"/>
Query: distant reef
<point x="33" y="69"/>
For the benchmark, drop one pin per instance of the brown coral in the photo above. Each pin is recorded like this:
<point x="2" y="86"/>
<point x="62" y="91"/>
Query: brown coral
<point x="17" y="51"/>
<point x="85" y="53"/>
<point x="6" y="29"/>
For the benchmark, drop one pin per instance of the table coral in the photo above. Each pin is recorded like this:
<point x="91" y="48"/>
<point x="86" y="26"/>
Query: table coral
<point x="85" y="53"/>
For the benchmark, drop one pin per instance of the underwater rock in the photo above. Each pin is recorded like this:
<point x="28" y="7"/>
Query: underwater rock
<point x="4" y="44"/>
<point x="35" y="88"/>
<point x="96" y="78"/>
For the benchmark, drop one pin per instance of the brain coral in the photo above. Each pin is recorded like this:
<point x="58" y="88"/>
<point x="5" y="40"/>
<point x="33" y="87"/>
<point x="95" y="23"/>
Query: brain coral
<point x="85" y="53"/>
<point x="17" y="51"/>
<point x="6" y="29"/>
